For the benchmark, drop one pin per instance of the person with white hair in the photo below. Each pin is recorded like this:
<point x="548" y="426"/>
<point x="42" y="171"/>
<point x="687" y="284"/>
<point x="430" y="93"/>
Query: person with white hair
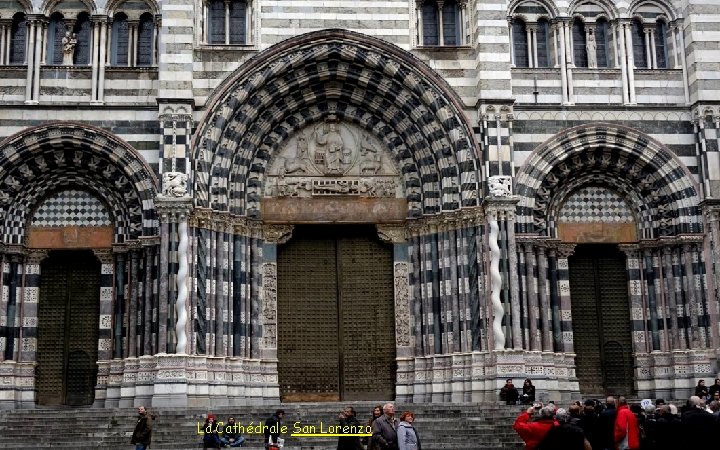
<point x="566" y="435"/>
<point x="384" y="429"/>
<point x="697" y="424"/>
<point x="534" y="431"/>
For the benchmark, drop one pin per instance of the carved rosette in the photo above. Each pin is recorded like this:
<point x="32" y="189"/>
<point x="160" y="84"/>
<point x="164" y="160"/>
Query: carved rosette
<point x="402" y="304"/>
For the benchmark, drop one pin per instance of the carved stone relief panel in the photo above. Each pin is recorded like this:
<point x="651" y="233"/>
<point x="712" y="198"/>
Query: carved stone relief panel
<point x="333" y="158"/>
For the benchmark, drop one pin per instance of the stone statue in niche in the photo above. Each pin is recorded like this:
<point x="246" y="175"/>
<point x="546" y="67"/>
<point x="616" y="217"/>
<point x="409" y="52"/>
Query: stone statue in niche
<point x="370" y="157"/>
<point x="591" y="48"/>
<point x="174" y="184"/>
<point x="331" y="148"/>
<point x="69" y="42"/>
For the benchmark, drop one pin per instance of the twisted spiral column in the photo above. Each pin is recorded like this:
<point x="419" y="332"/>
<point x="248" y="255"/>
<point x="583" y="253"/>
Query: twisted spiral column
<point x="496" y="284"/>
<point x="182" y="288"/>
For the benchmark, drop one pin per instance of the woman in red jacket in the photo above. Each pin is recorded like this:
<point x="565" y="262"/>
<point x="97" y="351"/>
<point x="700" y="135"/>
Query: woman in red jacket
<point x="627" y="432"/>
<point x="534" y="432"/>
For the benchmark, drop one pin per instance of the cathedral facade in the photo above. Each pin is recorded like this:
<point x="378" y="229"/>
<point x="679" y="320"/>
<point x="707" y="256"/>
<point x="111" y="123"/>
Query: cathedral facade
<point x="228" y="202"/>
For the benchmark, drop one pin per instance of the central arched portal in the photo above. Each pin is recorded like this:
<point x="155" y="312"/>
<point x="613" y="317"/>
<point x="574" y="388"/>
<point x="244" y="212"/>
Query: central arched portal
<point x="601" y="318"/>
<point x="69" y="308"/>
<point x="336" y="313"/>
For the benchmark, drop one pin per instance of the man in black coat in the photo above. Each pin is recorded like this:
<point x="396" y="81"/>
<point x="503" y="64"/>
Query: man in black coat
<point x="143" y="430"/>
<point x="347" y="419"/>
<point x="606" y="426"/>
<point x="667" y="431"/>
<point x="590" y="424"/>
<point x="697" y="424"/>
<point x="272" y="427"/>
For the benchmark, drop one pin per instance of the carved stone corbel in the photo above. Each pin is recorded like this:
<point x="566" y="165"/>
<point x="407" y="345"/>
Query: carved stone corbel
<point x="277" y="234"/>
<point x="392" y="233"/>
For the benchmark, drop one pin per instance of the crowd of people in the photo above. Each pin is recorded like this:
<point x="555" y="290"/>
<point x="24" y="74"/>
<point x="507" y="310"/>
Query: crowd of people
<point x="618" y="425"/>
<point x="388" y="433"/>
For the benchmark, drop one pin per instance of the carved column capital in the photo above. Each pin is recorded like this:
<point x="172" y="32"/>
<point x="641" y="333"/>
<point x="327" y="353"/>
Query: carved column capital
<point x="36" y="256"/>
<point x="565" y="250"/>
<point x="392" y="233"/>
<point x="104" y="255"/>
<point x="277" y="234"/>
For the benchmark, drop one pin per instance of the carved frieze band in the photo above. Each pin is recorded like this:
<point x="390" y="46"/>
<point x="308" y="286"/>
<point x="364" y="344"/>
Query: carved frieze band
<point x="269" y="304"/>
<point x="402" y="304"/>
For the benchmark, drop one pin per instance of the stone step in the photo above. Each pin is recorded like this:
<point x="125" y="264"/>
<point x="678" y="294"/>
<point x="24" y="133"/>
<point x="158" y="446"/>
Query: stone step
<point x="442" y="426"/>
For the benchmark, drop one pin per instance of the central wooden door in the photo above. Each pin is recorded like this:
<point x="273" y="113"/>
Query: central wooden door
<point x="601" y="320"/>
<point x="68" y="315"/>
<point x="336" y="316"/>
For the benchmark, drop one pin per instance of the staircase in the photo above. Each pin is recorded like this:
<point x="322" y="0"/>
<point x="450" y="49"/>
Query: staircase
<point x="441" y="426"/>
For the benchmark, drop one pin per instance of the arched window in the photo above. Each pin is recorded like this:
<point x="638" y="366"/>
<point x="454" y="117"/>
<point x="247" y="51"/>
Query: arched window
<point x="17" y="39"/>
<point x="520" y="43"/>
<point x="601" y="41"/>
<point x="83" y="31"/>
<point x="119" y="39"/>
<point x="236" y="13"/>
<point x="579" y="44"/>
<point x="145" y="48"/>
<point x="543" y="43"/>
<point x="431" y="30"/>
<point x="639" y="51"/>
<point x="451" y="23"/>
<point x="660" y="44"/>
<point x="55" y="33"/>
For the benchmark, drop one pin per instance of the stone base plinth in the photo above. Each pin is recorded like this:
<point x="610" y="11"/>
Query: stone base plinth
<point x="169" y="380"/>
<point x="478" y="376"/>
<point x="17" y="385"/>
<point x="674" y="375"/>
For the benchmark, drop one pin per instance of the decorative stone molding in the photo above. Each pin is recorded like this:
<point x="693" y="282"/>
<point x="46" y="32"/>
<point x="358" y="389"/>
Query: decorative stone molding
<point x="36" y="256"/>
<point x="175" y="207"/>
<point x="392" y="233"/>
<point x="277" y="234"/>
<point x="402" y="304"/>
<point x="269" y="303"/>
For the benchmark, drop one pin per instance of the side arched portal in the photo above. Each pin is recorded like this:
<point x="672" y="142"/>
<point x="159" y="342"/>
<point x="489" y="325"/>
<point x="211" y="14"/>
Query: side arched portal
<point x="77" y="204"/>
<point x="613" y="218"/>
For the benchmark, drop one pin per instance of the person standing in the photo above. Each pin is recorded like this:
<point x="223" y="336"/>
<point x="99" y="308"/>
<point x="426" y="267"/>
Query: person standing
<point x="627" y="432"/>
<point x="606" y="424"/>
<point x="376" y="412"/>
<point x="668" y="435"/>
<point x="534" y="431"/>
<point x="384" y="429"/>
<point x="407" y="435"/>
<point x="715" y="388"/>
<point x="143" y="430"/>
<point x="347" y="419"/>
<point x="565" y="436"/>
<point x="696" y="424"/>
<point x="272" y="427"/>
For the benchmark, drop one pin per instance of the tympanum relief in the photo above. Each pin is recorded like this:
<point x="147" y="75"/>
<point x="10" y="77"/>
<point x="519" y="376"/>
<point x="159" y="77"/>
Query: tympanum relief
<point x="333" y="158"/>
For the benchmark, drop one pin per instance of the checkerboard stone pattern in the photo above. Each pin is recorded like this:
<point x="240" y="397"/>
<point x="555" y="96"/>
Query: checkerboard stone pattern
<point x="595" y="204"/>
<point x="71" y="208"/>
